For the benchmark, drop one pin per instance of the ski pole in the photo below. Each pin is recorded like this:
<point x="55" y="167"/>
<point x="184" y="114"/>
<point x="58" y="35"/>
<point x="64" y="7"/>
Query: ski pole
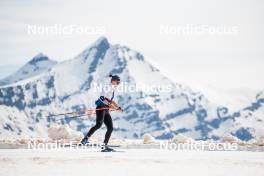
<point x="76" y="112"/>
<point x="80" y="115"/>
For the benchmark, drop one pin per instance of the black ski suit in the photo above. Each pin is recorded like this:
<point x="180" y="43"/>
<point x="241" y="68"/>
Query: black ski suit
<point x="102" y="116"/>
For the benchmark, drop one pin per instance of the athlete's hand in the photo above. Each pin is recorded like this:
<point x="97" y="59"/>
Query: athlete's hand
<point x="120" y="109"/>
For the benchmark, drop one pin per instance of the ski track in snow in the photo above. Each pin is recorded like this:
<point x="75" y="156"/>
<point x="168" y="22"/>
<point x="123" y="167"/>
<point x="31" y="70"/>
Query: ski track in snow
<point x="153" y="162"/>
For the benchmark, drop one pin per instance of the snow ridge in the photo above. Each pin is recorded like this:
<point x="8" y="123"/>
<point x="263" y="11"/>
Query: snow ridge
<point x="37" y="65"/>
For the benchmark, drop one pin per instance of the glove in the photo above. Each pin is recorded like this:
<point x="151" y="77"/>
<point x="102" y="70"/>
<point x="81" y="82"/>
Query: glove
<point x="120" y="109"/>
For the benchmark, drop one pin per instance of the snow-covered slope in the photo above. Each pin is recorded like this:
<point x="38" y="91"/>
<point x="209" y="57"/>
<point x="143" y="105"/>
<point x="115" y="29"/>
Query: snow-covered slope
<point x="39" y="64"/>
<point x="69" y="86"/>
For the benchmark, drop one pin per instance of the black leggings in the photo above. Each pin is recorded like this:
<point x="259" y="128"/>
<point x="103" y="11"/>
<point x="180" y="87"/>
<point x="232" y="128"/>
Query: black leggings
<point x="102" y="116"/>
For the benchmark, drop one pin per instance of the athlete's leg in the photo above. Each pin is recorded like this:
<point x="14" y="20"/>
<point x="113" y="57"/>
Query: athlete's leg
<point x="99" y="121"/>
<point x="109" y="125"/>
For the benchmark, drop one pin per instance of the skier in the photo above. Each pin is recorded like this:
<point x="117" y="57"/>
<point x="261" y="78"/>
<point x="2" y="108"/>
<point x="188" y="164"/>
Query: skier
<point x="103" y="103"/>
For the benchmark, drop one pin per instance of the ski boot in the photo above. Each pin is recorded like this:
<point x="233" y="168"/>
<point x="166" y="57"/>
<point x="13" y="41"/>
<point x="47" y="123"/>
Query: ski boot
<point x="105" y="148"/>
<point x="85" y="141"/>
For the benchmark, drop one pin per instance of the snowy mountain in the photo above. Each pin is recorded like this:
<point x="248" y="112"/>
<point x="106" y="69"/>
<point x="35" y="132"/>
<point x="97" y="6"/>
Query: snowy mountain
<point x="69" y="86"/>
<point x="39" y="64"/>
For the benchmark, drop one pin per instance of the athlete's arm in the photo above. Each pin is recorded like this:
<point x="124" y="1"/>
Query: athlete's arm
<point x="114" y="105"/>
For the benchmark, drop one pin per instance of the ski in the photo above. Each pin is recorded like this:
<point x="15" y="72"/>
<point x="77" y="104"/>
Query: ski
<point x="90" y="145"/>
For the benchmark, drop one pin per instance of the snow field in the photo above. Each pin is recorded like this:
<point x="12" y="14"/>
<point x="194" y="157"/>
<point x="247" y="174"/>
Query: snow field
<point x="130" y="162"/>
